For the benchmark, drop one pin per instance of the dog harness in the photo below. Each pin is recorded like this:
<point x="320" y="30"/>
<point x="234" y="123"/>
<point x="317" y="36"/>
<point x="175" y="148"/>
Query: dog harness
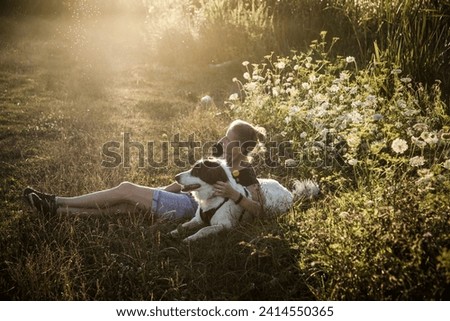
<point x="206" y="216"/>
<point x="245" y="177"/>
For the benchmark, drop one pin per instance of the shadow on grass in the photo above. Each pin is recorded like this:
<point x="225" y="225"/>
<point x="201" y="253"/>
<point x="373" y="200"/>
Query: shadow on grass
<point x="131" y="257"/>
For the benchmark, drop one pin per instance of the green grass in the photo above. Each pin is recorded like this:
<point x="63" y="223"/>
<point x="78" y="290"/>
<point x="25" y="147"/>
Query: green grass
<point x="58" y="108"/>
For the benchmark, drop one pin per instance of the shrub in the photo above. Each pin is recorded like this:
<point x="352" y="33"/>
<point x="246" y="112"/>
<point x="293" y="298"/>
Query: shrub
<point x="235" y="29"/>
<point x="379" y="144"/>
<point x="209" y="31"/>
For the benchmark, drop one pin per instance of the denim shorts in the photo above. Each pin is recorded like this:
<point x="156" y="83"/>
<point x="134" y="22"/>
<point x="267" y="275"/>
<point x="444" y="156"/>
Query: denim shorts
<point x="173" y="205"/>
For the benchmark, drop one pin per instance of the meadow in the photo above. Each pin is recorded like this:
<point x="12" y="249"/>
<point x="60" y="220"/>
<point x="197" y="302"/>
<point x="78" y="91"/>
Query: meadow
<point x="371" y="125"/>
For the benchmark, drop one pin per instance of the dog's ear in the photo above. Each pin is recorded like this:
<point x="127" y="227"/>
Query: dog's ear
<point x="212" y="172"/>
<point x="219" y="174"/>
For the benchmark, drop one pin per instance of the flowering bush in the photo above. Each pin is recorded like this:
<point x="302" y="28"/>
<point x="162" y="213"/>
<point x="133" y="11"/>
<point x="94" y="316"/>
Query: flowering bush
<point x="337" y="115"/>
<point x="380" y="146"/>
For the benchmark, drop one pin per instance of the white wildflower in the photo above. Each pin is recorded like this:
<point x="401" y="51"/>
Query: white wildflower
<point x="352" y="161"/>
<point x="293" y="110"/>
<point x="288" y="119"/>
<point x="292" y="91"/>
<point x="355" y="104"/>
<point x="350" y="59"/>
<point x="399" y="146"/>
<point x="303" y="135"/>
<point x="355" y="117"/>
<point x="308" y="62"/>
<point x="420" y="127"/>
<point x="334" y="89"/>
<point x="258" y="78"/>
<point x="306" y="189"/>
<point x="344" y="76"/>
<point x="427" y="235"/>
<point x="306" y="85"/>
<point x="319" y="98"/>
<point x="290" y="163"/>
<point x="405" y="80"/>
<point x="275" y="92"/>
<point x="417" y="161"/>
<point x="353" y="90"/>
<point x="312" y="78"/>
<point x="234" y="96"/>
<point x="419" y="143"/>
<point x="280" y="65"/>
<point x="245" y="63"/>
<point x="353" y="140"/>
<point x="396" y="71"/>
<point x="319" y="112"/>
<point x="401" y="103"/>
<point x="251" y="86"/>
<point x="247" y="76"/>
<point x="206" y="101"/>
<point x="424" y="172"/>
<point x="446" y="164"/>
<point x="324" y="132"/>
<point x="430" y="138"/>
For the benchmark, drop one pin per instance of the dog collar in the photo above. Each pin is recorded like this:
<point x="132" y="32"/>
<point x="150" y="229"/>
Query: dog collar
<point x="206" y="216"/>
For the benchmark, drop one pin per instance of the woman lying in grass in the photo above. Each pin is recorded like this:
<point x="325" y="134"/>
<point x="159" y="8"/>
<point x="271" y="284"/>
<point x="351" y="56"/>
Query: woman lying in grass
<point x="240" y="141"/>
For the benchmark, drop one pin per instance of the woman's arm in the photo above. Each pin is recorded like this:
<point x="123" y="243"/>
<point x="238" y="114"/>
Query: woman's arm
<point x="253" y="205"/>
<point x="173" y="188"/>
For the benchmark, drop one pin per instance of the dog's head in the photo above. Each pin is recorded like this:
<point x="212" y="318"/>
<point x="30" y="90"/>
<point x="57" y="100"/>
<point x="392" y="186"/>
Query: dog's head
<point x="204" y="172"/>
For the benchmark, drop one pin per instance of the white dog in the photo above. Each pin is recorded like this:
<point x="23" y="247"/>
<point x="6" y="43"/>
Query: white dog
<point x="216" y="213"/>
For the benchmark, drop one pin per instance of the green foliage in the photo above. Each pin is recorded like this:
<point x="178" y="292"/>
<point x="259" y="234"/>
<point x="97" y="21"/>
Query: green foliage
<point x="209" y="31"/>
<point x="379" y="145"/>
<point x="411" y="33"/>
<point x="234" y="29"/>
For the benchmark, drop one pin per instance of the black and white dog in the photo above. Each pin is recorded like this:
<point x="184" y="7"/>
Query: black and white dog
<point x="216" y="213"/>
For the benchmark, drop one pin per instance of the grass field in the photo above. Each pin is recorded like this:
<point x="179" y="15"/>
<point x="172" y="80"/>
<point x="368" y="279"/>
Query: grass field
<point x="67" y="86"/>
<point x="61" y="101"/>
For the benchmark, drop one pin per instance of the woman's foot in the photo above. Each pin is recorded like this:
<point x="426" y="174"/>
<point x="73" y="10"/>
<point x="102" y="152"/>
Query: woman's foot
<point x="42" y="202"/>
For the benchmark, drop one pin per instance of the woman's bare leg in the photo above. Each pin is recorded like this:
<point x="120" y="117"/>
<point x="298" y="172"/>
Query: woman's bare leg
<point x="115" y="209"/>
<point x="125" y="193"/>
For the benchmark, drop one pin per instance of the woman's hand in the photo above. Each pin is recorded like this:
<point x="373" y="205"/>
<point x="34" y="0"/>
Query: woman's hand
<point x="224" y="189"/>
